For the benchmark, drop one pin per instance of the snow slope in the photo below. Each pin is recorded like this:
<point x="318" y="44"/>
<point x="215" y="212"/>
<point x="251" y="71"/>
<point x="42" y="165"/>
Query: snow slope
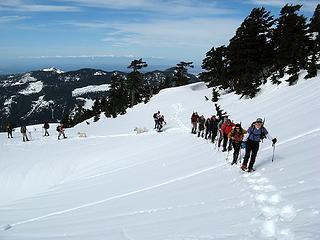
<point x="116" y="184"/>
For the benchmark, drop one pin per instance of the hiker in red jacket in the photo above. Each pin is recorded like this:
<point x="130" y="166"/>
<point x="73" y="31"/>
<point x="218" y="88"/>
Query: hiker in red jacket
<point x="226" y="128"/>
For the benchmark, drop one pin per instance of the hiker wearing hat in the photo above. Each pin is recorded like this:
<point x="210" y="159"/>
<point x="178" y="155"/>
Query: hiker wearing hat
<point x="255" y="133"/>
<point x="236" y="137"/>
<point x="226" y="128"/>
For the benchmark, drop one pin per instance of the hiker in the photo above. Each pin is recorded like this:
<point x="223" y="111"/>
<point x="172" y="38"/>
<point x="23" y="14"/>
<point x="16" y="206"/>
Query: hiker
<point x="226" y="128"/>
<point x="161" y="121"/>
<point x="194" y="122"/>
<point x="201" y="122"/>
<point x="255" y="133"/>
<point x="221" y="121"/>
<point x="24" y="131"/>
<point x="208" y="128"/>
<point x="46" y="127"/>
<point x="60" y="130"/>
<point x="156" y="119"/>
<point x="236" y="136"/>
<point x="9" y="130"/>
<point x="214" y="128"/>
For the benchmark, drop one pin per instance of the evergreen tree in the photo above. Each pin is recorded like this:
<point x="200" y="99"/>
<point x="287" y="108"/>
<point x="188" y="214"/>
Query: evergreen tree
<point x="135" y="81"/>
<point x="249" y="52"/>
<point x="118" y="100"/>
<point x="290" y="43"/>
<point x="180" y="73"/>
<point x="215" y="94"/>
<point x="216" y="67"/>
<point x="314" y="35"/>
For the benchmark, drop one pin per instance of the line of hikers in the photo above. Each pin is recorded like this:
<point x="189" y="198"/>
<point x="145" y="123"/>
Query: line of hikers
<point x="232" y="135"/>
<point x="26" y="135"/>
<point x="158" y="121"/>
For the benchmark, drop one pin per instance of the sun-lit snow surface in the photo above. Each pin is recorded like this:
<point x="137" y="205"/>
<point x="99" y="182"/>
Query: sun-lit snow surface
<point x="117" y="185"/>
<point x="92" y="88"/>
<point x="33" y="87"/>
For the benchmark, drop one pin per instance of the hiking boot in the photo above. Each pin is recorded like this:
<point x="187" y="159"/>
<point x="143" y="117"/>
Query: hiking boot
<point x="251" y="170"/>
<point x="243" y="167"/>
<point x="234" y="163"/>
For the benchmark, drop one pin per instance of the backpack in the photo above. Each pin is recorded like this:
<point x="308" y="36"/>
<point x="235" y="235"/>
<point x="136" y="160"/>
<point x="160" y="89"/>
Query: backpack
<point x="155" y="115"/>
<point x="262" y="131"/>
<point x="46" y="126"/>
<point x="58" y="128"/>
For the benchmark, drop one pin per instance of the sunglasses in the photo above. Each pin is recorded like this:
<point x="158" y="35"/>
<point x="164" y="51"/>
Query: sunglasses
<point x="259" y="122"/>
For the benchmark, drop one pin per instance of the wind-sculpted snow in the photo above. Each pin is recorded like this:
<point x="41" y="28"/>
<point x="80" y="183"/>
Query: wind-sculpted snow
<point x="116" y="184"/>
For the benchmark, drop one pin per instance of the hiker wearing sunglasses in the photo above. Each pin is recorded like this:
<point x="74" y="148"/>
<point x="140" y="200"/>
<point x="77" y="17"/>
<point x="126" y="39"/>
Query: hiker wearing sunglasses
<point x="254" y="135"/>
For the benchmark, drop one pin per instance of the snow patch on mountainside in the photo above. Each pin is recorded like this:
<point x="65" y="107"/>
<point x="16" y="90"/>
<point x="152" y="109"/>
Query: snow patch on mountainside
<point x="87" y="102"/>
<point x="38" y="105"/>
<point x="93" y="88"/>
<point x="99" y="73"/>
<point x="7" y="104"/>
<point x="33" y="87"/>
<point x="52" y="69"/>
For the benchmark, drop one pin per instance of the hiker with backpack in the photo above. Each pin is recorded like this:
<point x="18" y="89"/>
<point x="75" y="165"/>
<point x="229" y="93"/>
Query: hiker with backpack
<point x="156" y="119"/>
<point x="255" y="134"/>
<point x="236" y="136"/>
<point x="194" y="122"/>
<point x="60" y="130"/>
<point x="201" y="123"/>
<point x="226" y="128"/>
<point x="9" y="130"/>
<point x="208" y="128"/>
<point x="24" y="131"/>
<point x="214" y="128"/>
<point x="161" y="121"/>
<point x="222" y="120"/>
<point x="46" y="127"/>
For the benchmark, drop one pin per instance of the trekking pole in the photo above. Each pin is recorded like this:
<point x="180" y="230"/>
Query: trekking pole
<point x="240" y="155"/>
<point x="274" y="147"/>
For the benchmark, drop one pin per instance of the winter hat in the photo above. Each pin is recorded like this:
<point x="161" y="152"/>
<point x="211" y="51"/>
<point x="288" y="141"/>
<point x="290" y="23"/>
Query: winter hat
<point x="259" y="120"/>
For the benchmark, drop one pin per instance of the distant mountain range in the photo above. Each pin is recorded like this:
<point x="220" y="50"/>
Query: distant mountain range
<point x="49" y="94"/>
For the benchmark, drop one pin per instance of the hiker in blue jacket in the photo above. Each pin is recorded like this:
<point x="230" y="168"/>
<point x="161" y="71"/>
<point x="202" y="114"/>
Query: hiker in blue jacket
<point x="255" y="133"/>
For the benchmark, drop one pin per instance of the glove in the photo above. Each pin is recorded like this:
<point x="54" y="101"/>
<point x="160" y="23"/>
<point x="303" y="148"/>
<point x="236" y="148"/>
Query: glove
<point x="274" y="141"/>
<point x="243" y="144"/>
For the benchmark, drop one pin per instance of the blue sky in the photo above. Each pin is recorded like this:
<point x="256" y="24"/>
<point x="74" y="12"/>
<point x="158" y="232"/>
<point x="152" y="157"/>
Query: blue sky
<point x="171" y="30"/>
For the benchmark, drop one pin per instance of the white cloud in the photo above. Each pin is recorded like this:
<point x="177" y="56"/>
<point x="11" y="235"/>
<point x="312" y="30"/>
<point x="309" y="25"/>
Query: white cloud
<point x="7" y="19"/>
<point x="168" y="7"/>
<point x="23" y="6"/>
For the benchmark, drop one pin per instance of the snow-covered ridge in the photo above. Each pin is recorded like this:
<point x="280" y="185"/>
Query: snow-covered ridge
<point x="33" y="87"/>
<point x="93" y="88"/>
<point x="99" y="73"/>
<point x="52" y="69"/>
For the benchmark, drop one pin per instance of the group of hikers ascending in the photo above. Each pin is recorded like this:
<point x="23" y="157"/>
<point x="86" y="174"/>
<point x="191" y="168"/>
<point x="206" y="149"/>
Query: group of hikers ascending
<point x="220" y="129"/>
<point x="158" y="121"/>
<point x="26" y="135"/>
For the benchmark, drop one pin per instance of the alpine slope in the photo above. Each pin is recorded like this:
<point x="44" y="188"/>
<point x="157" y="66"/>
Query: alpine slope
<point x="115" y="184"/>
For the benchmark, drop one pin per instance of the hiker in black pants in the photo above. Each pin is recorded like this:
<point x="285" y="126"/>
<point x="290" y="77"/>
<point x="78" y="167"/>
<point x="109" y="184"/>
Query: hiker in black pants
<point x="9" y="130"/>
<point x="214" y="128"/>
<point x="255" y="133"/>
<point x="46" y="127"/>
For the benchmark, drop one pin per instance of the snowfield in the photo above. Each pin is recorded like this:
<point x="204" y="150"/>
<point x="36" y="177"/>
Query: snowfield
<point x="93" y="88"/>
<point x="116" y="184"/>
<point x="33" y="87"/>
